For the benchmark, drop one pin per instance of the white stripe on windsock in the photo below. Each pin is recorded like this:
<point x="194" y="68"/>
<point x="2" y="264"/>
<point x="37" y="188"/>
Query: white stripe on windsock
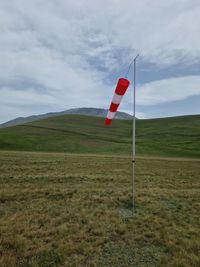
<point x="117" y="98"/>
<point x="110" y="115"/>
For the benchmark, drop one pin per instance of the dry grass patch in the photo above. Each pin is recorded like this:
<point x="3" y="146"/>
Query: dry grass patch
<point x="64" y="210"/>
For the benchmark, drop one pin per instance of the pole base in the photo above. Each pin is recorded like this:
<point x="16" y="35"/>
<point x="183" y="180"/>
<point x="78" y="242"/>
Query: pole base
<point x="126" y="213"/>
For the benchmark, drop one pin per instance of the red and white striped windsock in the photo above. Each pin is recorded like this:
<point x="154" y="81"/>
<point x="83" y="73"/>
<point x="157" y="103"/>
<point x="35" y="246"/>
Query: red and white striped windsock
<point x="120" y="90"/>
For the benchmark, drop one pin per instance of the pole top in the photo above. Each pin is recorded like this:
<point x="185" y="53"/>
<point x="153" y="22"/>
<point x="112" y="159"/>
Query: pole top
<point x="136" y="57"/>
<point x="134" y="60"/>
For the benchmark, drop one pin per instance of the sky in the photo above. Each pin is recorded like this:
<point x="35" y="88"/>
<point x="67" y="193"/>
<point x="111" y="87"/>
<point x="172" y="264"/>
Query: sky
<point x="62" y="54"/>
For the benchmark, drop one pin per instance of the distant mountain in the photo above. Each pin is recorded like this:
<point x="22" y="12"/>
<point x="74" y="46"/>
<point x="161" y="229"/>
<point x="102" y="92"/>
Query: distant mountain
<point x="97" y="112"/>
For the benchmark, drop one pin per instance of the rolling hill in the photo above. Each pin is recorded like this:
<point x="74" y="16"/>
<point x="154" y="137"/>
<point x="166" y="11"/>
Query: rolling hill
<point x="97" y="112"/>
<point x="175" y="136"/>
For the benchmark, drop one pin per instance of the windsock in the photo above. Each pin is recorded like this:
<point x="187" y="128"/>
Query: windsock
<point x="120" y="90"/>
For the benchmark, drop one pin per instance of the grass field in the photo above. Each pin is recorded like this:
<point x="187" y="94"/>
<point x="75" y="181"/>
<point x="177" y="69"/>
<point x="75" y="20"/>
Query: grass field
<point x="177" y="136"/>
<point x="67" y="210"/>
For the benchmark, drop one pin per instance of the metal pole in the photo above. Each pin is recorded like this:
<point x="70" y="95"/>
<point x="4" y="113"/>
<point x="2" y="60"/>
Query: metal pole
<point x="133" y="156"/>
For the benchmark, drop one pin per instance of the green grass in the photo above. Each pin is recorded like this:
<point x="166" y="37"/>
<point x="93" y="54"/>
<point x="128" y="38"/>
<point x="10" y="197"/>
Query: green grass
<point x="177" y="137"/>
<point x="65" y="210"/>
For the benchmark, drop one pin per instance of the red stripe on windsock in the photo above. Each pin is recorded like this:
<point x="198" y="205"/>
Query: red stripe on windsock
<point x="107" y="121"/>
<point x="113" y="107"/>
<point x="120" y="90"/>
<point x="122" y="86"/>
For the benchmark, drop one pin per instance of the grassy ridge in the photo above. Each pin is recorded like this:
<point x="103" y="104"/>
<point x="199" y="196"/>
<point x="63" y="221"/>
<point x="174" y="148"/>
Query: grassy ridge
<point x="66" y="210"/>
<point x="177" y="136"/>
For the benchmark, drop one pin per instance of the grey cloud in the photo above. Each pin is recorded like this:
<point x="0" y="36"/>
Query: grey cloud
<point x="188" y="106"/>
<point x="71" y="52"/>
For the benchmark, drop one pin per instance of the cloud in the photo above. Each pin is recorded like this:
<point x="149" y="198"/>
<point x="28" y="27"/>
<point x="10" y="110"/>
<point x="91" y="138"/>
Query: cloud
<point x="168" y="90"/>
<point x="59" y="54"/>
<point x="188" y="106"/>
